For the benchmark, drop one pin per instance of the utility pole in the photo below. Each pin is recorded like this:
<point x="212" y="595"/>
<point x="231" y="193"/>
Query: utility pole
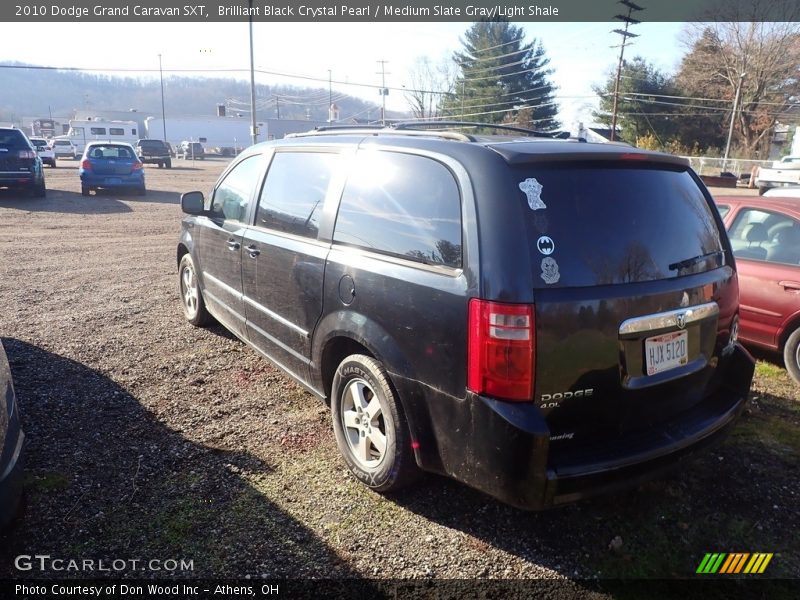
<point x="628" y="20"/>
<point x="253" y="128"/>
<point x="384" y="89"/>
<point x="330" y="97"/>
<point x="163" y="115"/>
<point x="733" y="118"/>
<point x="277" y="106"/>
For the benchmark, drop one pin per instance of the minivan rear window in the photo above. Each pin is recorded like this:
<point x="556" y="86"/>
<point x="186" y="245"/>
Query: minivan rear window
<point x="610" y="223"/>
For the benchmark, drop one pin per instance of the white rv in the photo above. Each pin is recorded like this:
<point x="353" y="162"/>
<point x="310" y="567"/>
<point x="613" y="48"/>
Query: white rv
<point x="83" y="131"/>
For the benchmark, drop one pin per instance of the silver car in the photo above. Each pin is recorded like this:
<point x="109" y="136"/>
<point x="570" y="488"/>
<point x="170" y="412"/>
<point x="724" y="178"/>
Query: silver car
<point x="65" y="149"/>
<point x="11" y="439"/>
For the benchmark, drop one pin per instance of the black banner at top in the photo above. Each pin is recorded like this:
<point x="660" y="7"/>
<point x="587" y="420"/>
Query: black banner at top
<point x="400" y="11"/>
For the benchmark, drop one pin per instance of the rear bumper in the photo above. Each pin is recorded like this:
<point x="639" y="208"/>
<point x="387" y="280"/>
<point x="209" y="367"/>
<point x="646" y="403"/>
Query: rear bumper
<point x="18" y="180"/>
<point x="112" y="181"/>
<point x="504" y="448"/>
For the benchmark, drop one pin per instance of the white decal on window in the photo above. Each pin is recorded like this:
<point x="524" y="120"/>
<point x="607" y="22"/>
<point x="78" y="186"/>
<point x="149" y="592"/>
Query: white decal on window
<point x="550" y="272"/>
<point x="533" y="190"/>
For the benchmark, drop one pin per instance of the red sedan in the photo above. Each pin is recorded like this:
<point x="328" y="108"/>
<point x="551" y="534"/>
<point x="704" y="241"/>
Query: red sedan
<point x="765" y="236"/>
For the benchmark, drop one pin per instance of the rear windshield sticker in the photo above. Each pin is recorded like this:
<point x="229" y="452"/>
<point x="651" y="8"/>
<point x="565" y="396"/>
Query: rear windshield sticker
<point x="550" y="272"/>
<point x="546" y="245"/>
<point x="533" y="190"/>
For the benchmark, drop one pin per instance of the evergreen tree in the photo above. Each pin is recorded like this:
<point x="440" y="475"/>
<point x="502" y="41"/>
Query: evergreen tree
<point x="644" y="106"/>
<point x="502" y="79"/>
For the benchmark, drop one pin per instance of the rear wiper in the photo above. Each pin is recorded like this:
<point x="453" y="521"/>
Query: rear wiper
<point x="685" y="264"/>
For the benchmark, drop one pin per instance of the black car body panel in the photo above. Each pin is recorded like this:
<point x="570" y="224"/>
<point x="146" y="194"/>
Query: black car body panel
<point x="20" y="164"/>
<point x="11" y="441"/>
<point x="398" y="282"/>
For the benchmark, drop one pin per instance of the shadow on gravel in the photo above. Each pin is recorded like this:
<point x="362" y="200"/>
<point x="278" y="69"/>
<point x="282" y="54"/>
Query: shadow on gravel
<point x="106" y="480"/>
<point x="153" y="196"/>
<point x="58" y="201"/>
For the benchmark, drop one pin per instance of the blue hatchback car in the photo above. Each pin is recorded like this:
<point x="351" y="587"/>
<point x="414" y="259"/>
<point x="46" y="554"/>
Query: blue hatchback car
<point x="111" y="165"/>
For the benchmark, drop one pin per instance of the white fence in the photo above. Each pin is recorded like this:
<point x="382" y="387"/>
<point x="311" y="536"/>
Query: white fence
<point x="713" y="166"/>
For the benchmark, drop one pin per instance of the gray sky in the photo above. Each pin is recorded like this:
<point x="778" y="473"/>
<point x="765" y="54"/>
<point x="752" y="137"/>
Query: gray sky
<point x="580" y="53"/>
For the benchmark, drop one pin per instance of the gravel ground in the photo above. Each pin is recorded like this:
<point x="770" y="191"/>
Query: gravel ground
<point x="150" y="439"/>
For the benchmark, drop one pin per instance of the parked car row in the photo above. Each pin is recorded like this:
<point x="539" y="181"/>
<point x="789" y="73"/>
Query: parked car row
<point x="541" y="319"/>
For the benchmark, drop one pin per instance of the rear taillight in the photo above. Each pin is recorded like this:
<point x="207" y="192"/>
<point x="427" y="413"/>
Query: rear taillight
<point x="27" y="154"/>
<point x="501" y="350"/>
<point x="85" y="164"/>
<point x="137" y="165"/>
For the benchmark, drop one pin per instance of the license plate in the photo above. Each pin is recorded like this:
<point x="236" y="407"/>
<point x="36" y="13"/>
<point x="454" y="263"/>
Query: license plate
<point x="665" y="352"/>
<point x="113" y="181"/>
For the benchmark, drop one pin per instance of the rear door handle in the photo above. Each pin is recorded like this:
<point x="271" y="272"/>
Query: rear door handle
<point x="233" y="244"/>
<point x="252" y="250"/>
<point x="790" y="285"/>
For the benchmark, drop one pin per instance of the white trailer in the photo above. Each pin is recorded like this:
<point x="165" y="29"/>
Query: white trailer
<point x="222" y="135"/>
<point x="82" y="131"/>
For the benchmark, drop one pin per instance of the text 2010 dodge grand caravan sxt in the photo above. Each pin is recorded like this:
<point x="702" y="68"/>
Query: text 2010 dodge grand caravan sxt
<point x="540" y="319"/>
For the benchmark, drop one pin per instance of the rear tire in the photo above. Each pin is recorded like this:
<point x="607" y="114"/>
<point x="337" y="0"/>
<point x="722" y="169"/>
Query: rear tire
<point x="85" y="190"/>
<point x="762" y="189"/>
<point x="370" y="426"/>
<point x="194" y="307"/>
<point x="40" y="191"/>
<point x="791" y="355"/>
<point x="142" y="191"/>
<point x="169" y="163"/>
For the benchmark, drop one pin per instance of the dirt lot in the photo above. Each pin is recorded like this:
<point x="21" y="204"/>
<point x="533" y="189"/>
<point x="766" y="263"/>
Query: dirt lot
<point x="149" y="439"/>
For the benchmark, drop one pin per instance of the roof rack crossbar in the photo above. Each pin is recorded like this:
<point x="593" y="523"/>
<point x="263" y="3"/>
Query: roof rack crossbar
<point x="405" y="125"/>
<point x="421" y="128"/>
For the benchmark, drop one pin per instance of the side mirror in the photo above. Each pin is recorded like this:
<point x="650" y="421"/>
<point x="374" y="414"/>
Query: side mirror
<point x="193" y="203"/>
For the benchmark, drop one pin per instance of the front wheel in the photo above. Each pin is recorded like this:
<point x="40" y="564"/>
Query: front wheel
<point x="194" y="307"/>
<point x="370" y="426"/>
<point x="791" y="355"/>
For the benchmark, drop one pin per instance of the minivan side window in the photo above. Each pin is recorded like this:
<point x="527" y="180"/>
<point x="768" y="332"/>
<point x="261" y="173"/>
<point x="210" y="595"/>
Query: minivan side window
<point x="404" y="205"/>
<point x="294" y="191"/>
<point x="232" y="196"/>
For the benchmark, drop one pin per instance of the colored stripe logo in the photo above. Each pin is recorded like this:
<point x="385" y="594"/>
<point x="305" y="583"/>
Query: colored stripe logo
<point x="734" y="563"/>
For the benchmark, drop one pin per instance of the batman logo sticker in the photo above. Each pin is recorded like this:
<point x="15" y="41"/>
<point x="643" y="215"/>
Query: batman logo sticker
<point x="546" y="245"/>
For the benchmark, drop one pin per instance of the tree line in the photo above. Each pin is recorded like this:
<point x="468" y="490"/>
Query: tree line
<point x="496" y="77"/>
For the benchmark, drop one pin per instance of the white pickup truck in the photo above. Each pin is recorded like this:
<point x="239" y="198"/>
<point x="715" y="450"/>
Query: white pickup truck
<point x="783" y="172"/>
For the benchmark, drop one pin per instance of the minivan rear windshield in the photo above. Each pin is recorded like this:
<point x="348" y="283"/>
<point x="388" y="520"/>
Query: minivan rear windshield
<point x="605" y="223"/>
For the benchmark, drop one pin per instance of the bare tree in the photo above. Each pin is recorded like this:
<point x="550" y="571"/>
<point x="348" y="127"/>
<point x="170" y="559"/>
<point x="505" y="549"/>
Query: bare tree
<point x="428" y="84"/>
<point x="759" y="59"/>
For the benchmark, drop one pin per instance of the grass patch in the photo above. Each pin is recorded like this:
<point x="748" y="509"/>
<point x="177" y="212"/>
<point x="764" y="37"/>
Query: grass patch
<point x="769" y="370"/>
<point x="47" y="482"/>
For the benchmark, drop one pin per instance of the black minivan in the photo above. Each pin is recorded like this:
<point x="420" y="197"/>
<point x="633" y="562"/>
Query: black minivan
<point x="542" y="319"/>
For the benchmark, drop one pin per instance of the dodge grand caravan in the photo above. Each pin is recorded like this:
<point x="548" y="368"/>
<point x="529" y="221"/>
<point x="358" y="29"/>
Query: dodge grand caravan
<point x="542" y="319"/>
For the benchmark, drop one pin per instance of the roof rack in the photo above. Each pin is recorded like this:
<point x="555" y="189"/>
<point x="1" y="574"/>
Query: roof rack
<point x="406" y="125"/>
<point x="426" y="128"/>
